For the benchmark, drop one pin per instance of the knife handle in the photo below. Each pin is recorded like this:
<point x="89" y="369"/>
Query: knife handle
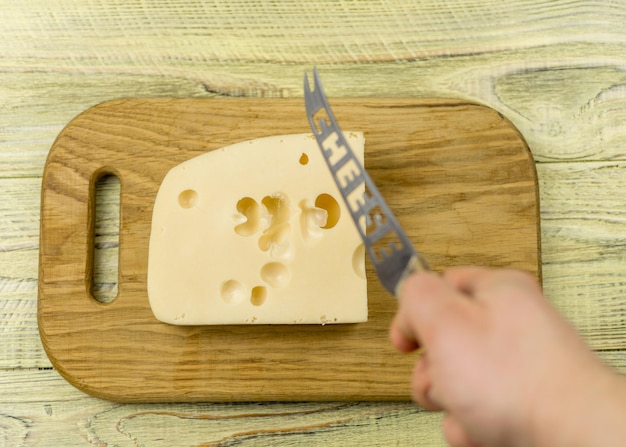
<point x="417" y="264"/>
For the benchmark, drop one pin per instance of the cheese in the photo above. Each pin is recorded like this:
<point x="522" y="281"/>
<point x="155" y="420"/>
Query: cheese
<point x="256" y="232"/>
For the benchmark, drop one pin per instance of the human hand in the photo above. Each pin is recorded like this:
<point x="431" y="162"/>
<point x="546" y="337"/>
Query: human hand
<point x="502" y="364"/>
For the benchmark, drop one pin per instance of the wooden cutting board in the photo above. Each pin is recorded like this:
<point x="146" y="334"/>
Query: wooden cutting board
<point x="459" y="176"/>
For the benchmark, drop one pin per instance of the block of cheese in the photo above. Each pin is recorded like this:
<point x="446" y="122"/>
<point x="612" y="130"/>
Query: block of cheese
<point x="256" y="233"/>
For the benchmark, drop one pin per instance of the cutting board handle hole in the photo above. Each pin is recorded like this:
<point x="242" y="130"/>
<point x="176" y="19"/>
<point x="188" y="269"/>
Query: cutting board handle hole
<point x="106" y="238"/>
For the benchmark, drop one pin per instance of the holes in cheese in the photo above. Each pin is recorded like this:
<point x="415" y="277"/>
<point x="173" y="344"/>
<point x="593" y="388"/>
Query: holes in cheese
<point x="232" y="291"/>
<point x="276" y="274"/>
<point x="259" y="293"/>
<point x="331" y="209"/>
<point x="358" y="261"/>
<point x="276" y="236"/>
<point x="188" y="198"/>
<point x="251" y="214"/>
<point x="256" y="233"/>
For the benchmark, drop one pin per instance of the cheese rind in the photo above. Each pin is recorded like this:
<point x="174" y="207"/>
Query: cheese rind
<point x="256" y="232"/>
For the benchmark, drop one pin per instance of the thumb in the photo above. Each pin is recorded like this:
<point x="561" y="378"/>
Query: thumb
<point x="455" y="434"/>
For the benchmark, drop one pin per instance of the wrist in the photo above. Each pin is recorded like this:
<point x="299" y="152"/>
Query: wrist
<point x="606" y="422"/>
<point x="585" y="412"/>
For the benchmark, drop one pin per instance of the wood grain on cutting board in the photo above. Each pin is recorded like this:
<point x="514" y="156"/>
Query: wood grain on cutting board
<point x="458" y="175"/>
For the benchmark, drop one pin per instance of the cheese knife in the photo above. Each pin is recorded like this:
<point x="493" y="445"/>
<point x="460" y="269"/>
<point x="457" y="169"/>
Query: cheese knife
<point x="386" y="243"/>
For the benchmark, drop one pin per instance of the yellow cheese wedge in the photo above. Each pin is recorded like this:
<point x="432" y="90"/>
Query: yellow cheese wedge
<point x="256" y="232"/>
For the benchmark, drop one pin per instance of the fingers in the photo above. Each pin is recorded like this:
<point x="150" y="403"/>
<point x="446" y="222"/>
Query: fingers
<point x="467" y="280"/>
<point x="471" y="281"/>
<point x="402" y="337"/>
<point x="403" y="333"/>
<point x="427" y="305"/>
<point x="416" y="306"/>
<point x="455" y="434"/>
<point x="421" y="385"/>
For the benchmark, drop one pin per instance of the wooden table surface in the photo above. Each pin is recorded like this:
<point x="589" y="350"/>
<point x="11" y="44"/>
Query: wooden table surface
<point x="556" y="69"/>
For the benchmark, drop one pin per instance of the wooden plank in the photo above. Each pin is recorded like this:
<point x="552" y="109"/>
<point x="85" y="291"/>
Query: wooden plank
<point x="40" y="408"/>
<point x="283" y="32"/>
<point x="19" y="235"/>
<point x="544" y="114"/>
<point x="576" y="84"/>
<point x="20" y="345"/>
<point x="459" y="176"/>
<point x="33" y="116"/>
<point x="584" y="246"/>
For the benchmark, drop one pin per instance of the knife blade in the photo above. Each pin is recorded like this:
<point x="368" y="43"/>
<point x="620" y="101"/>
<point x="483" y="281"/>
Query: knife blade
<point x="386" y="243"/>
